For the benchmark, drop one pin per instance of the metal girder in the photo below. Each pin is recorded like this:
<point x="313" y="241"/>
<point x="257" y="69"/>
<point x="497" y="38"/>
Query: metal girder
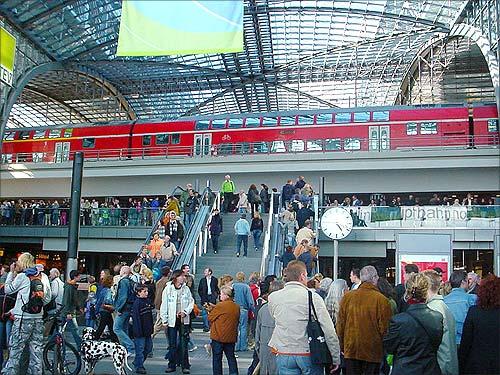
<point x="45" y="13"/>
<point x="309" y="96"/>
<point x="58" y="101"/>
<point x="361" y="12"/>
<point x="459" y="30"/>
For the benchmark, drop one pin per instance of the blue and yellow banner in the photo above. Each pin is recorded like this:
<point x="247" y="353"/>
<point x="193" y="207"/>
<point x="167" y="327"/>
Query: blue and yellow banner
<point x="157" y="28"/>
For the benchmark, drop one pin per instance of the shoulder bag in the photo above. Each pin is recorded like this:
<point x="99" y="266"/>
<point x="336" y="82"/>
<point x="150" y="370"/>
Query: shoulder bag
<point x="320" y="354"/>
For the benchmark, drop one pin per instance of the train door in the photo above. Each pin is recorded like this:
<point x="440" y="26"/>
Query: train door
<point x="62" y="152"/>
<point x="379" y="138"/>
<point x="202" y="145"/>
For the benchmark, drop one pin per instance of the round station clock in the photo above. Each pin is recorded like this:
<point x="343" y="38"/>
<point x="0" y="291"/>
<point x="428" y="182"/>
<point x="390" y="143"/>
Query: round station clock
<point x="336" y="223"/>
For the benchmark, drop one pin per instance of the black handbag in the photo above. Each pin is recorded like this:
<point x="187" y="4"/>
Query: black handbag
<point x="320" y="354"/>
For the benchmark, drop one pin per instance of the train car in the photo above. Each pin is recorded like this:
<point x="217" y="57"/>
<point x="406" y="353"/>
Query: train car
<point x="354" y="129"/>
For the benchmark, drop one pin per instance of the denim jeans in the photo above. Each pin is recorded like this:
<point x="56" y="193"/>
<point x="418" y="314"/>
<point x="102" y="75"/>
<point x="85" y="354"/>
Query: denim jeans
<point x="291" y="239"/>
<point x="215" y="242"/>
<point x="120" y="326"/>
<point x="143" y="346"/>
<point x="189" y="218"/>
<point x="204" y="316"/>
<point x="178" y="338"/>
<point x="256" y="238"/>
<point x="239" y="240"/>
<point x="5" y="328"/>
<point x="242" y="343"/>
<point x="228" y="349"/>
<point x="297" y="365"/>
<point x="72" y="327"/>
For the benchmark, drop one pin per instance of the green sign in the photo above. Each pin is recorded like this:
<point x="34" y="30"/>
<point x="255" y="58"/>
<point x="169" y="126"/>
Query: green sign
<point x="7" y="56"/>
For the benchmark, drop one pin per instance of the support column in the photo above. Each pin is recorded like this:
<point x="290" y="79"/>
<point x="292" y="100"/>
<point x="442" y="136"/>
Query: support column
<point x="74" y="222"/>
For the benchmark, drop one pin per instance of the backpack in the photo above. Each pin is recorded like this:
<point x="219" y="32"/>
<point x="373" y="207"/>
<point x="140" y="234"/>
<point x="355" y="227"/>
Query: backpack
<point x="37" y="293"/>
<point x="7" y="303"/>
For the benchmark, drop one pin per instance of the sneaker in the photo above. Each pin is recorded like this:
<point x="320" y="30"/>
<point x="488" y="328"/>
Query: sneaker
<point x="186" y="371"/>
<point x="169" y="370"/>
<point x="237" y="255"/>
<point x="244" y="255"/>
<point x="208" y="348"/>
<point x="256" y="249"/>
<point x="141" y="370"/>
<point x="193" y="348"/>
<point x="215" y="252"/>
<point x="236" y="356"/>
<point x="206" y="329"/>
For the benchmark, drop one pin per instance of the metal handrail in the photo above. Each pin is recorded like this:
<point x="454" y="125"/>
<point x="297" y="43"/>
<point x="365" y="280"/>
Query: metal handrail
<point x="267" y="235"/>
<point x="353" y="144"/>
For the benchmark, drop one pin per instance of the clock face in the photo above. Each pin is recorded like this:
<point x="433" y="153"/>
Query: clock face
<point x="336" y="223"/>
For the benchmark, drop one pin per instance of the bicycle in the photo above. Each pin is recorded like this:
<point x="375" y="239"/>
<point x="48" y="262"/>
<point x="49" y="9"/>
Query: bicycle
<point x="59" y="356"/>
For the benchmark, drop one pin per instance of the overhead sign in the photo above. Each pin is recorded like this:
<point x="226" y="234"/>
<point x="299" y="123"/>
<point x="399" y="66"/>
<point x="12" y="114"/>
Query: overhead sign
<point x="7" y="56"/>
<point x="157" y="28"/>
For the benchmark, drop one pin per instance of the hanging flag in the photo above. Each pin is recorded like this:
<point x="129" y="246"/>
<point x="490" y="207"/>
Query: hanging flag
<point x="156" y="28"/>
<point x="7" y="56"/>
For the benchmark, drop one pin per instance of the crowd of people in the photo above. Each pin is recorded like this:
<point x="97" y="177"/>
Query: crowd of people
<point x="418" y="327"/>
<point x="469" y="199"/>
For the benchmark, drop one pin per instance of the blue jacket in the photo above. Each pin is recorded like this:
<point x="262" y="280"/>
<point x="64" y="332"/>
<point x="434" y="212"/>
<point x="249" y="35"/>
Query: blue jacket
<point x="142" y="317"/>
<point x="287" y="192"/>
<point x="459" y="302"/>
<point x="243" y="296"/>
<point x="122" y="295"/>
<point x="103" y="298"/>
<point x="242" y="227"/>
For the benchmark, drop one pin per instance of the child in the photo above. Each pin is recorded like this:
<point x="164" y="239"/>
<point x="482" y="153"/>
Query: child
<point x="90" y="310"/>
<point x="142" y="319"/>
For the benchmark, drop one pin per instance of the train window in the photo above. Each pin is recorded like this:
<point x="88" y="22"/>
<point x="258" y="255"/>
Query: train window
<point x="352" y="144"/>
<point x="252" y="122"/>
<point x="343" y="117"/>
<point x="39" y="134"/>
<point x="243" y="148"/>
<point x="6" y="158"/>
<point x="162" y="139"/>
<point x="175" y="139"/>
<point x="381" y="116"/>
<point x="287" y="120"/>
<point x="332" y="144"/>
<point x="316" y="145"/>
<point x="8" y="136"/>
<point x="54" y="133"/>
<point x="305" y="120"/>
<point x="269" y="121"/>
<point x="68" y="133"/>
<point x="278" y="147"/>
<point x="324" y="118"/>
<point x="24" y="135"/>
<point x="88" y="143"/>
<point x="219" y="124"/>
<point x="428" y="128"/>
<point x="411" y="128"/>
<point x="493" y="125"/>
<point x="260" y="148"/>
<point x="235" y="123"/>
<point x="361" y="116"/>
<point x="297" y="146"/>
<point x="202" y="125"/>
<point x="38" y="157"/>
<point x="226" y="149"/>
<point x="146" y="140"/>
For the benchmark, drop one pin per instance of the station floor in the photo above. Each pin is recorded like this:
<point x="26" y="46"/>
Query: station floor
<point x="201" y="362"/>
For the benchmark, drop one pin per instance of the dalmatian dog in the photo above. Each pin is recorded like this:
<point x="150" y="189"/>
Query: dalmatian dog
<point x="93" y="351"/>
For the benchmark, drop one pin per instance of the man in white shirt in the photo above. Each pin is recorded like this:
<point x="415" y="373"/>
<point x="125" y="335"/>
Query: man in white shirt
<point x="355" y="280"/>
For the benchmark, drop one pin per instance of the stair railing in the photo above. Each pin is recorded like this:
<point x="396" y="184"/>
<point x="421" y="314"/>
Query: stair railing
<point x="267" y="250"/>
<point x="190" y="244"/>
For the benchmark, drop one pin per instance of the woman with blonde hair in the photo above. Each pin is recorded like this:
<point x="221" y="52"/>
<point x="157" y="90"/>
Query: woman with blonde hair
<point x="226" y="280"/>
<point x="335" y="293"/>
<point x="414" y="336"/>
<point x="27" y="329"/>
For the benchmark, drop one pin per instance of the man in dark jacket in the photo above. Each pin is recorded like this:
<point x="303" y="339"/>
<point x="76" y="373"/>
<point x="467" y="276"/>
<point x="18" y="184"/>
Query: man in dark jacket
<point x="287" y="193"/>
<point x="142" y="320"/>
<point x="215" y="228"/>
<point x="208" y="290"/>
<point x="123" y="307"/>
<point x="71" y="305"/>
<point x="303" y="214"/>
<point x="192" y="204"/>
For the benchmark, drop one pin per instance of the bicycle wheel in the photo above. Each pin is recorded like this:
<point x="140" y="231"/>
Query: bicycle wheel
<point x="69" y="360"/>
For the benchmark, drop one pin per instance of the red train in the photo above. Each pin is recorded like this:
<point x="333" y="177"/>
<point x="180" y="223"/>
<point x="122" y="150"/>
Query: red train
<point x="363" y="129"/>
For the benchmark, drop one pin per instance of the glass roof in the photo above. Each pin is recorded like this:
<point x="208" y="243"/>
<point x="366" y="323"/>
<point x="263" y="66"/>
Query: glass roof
<point x="303" y="54"/>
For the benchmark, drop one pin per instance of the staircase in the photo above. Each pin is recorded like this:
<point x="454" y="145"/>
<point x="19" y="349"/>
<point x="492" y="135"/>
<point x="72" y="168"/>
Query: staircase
<point x="225" y="261"/>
